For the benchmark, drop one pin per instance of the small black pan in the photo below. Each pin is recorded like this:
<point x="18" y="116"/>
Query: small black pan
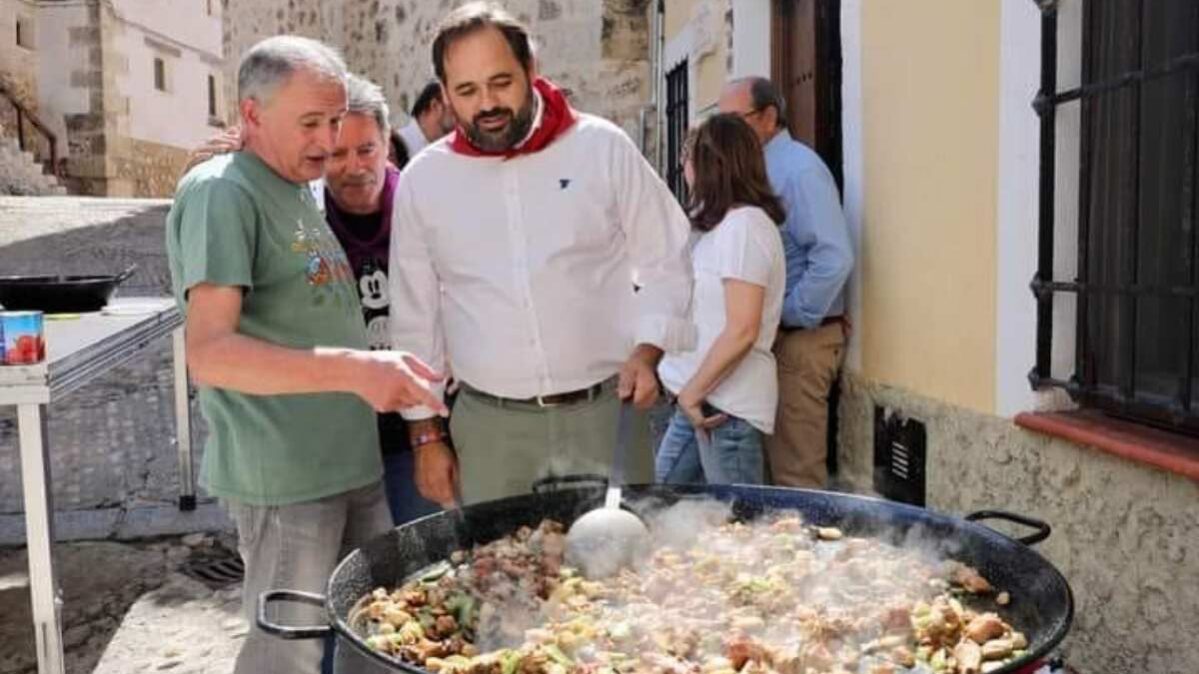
<point x="60" y="294"/>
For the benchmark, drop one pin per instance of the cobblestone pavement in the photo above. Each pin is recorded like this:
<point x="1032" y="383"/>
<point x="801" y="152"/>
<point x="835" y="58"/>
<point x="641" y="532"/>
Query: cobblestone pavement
<point x="112" y="445"/>
<point x="127" y="608"/>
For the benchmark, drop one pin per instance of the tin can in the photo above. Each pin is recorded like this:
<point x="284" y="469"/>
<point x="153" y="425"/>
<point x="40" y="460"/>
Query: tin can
<point x="22" y="336"/>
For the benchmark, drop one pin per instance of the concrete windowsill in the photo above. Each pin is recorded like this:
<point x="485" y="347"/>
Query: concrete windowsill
<point x="1162" y="449"/>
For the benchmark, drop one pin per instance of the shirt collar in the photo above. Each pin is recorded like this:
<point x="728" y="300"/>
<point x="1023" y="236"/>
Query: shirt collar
<point x="780" y="140"/>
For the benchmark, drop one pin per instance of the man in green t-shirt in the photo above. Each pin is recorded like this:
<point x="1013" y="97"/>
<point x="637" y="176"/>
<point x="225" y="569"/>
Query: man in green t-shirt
<point x="278" y="345"/>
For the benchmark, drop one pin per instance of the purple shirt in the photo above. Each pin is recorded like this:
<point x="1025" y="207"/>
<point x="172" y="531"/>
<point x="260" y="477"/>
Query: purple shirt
<point x="366" y="240"/>
<point x="367" y="243"/>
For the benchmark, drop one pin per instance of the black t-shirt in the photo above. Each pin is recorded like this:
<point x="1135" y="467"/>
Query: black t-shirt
<point x="366" y="240"/>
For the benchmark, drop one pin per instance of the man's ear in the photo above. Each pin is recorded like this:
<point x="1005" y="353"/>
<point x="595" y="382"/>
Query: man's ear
<point x="771" y="117"/>
<point x="251" y="114"/>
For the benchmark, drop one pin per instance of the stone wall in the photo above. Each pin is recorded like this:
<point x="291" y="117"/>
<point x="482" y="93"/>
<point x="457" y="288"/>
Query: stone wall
<point x="18" y="70"/>
<point x="1125" y="535"/>
<point x="18" y="62"/>
<point x="598" y="49"/>
<point x="151" y="169"/>
<point x="90" y="133"/>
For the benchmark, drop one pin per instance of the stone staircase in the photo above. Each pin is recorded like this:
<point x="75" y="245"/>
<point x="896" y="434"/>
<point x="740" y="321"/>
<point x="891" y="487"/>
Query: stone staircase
<point x="21" y="174"/>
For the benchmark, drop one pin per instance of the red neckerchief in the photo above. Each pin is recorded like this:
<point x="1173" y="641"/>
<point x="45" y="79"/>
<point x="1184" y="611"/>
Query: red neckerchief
<point x="556" y="117"/>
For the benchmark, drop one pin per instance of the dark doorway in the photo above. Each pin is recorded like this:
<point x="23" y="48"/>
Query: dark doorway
<point x="805" y="62"/>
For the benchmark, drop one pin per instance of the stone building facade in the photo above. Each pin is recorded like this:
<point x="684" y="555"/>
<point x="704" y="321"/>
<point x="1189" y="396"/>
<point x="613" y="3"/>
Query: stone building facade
<point x="126" y="86"/>
<point x="597" y="49"/>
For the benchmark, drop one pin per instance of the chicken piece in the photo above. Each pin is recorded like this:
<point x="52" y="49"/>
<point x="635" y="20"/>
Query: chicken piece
<point x="897" y="618"/>
<point x="817" y="656"/>
<point x="903" y="657"/>
<point x="886" y="668"/>
<point x="970" y="579"/>
<point x="969" y="657"/>
<point x="414" y="597"/>
<point x="741" y="650"/>
<point x="829" y="533"/>
<point x="445" y="625"/>
<point x="997" y="649"/>
<point x="985" y="627"/>
<point x="1003" y="599"/>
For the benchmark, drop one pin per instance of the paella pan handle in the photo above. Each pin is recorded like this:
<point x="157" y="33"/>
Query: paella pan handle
<point x="1042" y="528"/>
<point x="124" y="276"/>
<point x="307" y="632"/>
<point x="560" y="482"/>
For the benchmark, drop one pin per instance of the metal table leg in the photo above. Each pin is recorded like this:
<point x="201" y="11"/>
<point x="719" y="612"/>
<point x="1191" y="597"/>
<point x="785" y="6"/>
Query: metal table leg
<point x="39" y="534"/>
<point x="183" y="426"/>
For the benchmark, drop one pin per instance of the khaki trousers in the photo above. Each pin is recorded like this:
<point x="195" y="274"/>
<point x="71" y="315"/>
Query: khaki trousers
<point x="808" y="362"/>
<point x="502" y="450"/>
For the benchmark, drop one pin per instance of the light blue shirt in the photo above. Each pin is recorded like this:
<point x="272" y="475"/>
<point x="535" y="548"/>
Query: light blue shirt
<point x="815" y="236"/>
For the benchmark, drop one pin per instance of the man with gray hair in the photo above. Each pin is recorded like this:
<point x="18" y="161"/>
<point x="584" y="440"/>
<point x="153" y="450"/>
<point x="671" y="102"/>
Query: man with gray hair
<point x="277" y="343"/>
<point x="811" y="339"/>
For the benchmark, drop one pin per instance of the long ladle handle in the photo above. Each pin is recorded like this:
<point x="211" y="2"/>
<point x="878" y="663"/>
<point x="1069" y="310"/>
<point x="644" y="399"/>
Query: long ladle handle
<point x="624" y="429"/>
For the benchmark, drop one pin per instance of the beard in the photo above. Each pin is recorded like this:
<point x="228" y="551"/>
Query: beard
<point x="519" y="123"/>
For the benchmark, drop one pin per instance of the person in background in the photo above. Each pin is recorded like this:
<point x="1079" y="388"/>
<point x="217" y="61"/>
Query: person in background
<point x="430" y="119"/>
<point x="278" y="347"/>
<point x="811" y="341"/>
<point x="726" y="389"/>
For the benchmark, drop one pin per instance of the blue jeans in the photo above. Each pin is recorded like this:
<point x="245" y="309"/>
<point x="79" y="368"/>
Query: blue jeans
<point x="405" y="501"/>
<point x="733" y="456"/>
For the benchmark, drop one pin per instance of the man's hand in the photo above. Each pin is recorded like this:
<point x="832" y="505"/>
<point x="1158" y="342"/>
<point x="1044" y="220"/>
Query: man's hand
<point x="223" y="143"/>
<point x="692" y="406"/>
<point x="637" y="380"/>
<point x="436" y="473"/>
<point x="393" y="380"/>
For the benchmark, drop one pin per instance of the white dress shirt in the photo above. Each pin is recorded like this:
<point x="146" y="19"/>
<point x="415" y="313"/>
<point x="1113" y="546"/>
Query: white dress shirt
<point x="414" y="137"/>
<point x="521" y="271"/>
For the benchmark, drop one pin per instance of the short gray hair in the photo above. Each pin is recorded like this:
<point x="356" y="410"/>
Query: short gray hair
<point x="272" y="61"/>
<point x="366" y="98"/>
<point x="764" y="94"/>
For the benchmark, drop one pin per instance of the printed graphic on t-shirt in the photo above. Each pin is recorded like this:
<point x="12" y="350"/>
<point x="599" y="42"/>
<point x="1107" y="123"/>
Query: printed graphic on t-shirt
<point x="372" y="290"/>
<point x="326" y="268"/>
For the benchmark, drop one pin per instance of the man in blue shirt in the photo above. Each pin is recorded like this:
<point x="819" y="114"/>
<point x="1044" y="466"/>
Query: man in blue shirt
<point x="819" y="255"/>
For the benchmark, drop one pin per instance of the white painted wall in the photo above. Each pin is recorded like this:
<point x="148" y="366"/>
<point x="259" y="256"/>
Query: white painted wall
<point x="179" y="116"/>
<point x="851" y="159"/>
<point x="1019" y="159"/>
<point x="56" y="97"/>
<point x="186" y="22"/>
<point x="751" y="38"/>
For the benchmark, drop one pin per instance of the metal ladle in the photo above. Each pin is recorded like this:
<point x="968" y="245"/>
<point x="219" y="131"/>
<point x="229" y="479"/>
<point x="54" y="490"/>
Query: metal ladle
<point x="609" y="538"/>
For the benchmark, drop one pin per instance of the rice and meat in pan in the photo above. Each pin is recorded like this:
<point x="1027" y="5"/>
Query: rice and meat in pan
<point x="771" y="596"/>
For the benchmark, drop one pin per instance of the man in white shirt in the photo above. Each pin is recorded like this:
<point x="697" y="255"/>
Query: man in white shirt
<point x="517" y="263"/>
<point x="430" y="119"/>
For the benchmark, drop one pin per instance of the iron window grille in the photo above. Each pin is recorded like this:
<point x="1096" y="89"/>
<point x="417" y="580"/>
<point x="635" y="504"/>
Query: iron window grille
<point x="1135" y="291"/>
<point x="676" y="129"/>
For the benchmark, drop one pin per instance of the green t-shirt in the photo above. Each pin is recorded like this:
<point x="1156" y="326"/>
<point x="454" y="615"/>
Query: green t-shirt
<point x="235" y="222"/>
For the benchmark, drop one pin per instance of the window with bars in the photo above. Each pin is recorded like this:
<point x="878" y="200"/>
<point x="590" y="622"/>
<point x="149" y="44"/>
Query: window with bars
<point x="1135" y="286"/>
<point x="676" y="128"/>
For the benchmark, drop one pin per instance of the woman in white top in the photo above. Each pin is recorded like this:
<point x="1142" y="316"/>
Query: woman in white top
<point x="727" y="387"/>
